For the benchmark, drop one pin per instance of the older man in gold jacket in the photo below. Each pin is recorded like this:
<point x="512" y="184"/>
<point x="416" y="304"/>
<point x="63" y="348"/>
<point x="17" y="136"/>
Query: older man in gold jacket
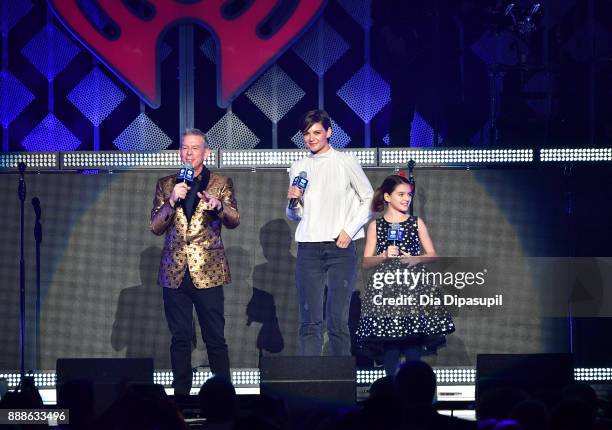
<point x="193" y="266"/>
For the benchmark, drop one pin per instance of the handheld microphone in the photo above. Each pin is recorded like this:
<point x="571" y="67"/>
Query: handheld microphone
<point x="301" y="182"/>
<point x="394" y="233"/>
<point x="185" y="174"/>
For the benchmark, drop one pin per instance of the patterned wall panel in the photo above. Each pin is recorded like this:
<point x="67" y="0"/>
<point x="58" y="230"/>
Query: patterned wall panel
<point x="51" y="135"/>
<point x="50" y="51"/>
<point x="421" y="133"/>
<point x="359" y="10"/>
<point x="142" y="135"/>
<point x="321" y="47"/>
<point x="497" y="48"/>
<point x="483" y="136"/>
<point x="14" y="97"/>
<point x="12" y="12"/>
<point x="275" y="93"/>
<point x="231" y="133"/>
<point x="366" y="93"/>
<point x="96" y="96"/>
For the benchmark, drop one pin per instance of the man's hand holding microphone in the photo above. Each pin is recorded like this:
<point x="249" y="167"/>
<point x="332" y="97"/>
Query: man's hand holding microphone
<point x="178" y="193"/>
<point x="183" y="179"/>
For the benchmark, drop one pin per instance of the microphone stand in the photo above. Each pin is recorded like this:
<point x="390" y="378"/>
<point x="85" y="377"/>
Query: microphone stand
<point x="568" y="171"/>
<point x="411" y="181"/>
<point x="38" y="239"/>
<point x="21" y="192"/>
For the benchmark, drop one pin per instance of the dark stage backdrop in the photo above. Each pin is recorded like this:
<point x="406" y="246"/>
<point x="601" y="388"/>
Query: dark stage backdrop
<point x="99" y="263"/>
<point x="56" y="95"/>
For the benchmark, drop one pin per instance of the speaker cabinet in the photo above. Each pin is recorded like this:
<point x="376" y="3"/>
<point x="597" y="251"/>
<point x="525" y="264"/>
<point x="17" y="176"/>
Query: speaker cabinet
<point x="309" y="383"/>
<point x="543" y="376"/>
<point x="108" y="378"/>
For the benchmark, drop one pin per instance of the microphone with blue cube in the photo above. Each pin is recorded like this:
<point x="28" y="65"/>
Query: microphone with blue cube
<point x="395" y="233"/>
<point x="185" y="174"/>
<point x="301" y="182"/>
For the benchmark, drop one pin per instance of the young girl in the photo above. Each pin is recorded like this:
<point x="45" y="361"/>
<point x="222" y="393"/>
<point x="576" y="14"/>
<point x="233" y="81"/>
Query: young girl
<point x="392" y="322"/>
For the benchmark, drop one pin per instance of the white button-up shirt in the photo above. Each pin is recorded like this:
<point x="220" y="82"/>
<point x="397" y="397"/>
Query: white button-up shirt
<point x="337" y="197"/>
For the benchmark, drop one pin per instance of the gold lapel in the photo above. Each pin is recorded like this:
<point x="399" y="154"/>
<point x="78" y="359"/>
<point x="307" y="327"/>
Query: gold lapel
<point x="182" y="223"/>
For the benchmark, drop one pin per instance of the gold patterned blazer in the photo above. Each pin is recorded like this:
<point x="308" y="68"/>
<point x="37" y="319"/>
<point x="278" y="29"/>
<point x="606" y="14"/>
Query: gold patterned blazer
<point x="196" y="244"/>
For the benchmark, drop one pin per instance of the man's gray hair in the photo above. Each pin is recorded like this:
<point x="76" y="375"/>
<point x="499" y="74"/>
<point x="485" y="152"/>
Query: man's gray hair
<point x="195" y="132"/>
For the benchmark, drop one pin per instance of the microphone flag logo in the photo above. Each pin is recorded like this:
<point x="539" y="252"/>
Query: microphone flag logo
<point x="300" y="182"/>
<point x="395" y="234"/>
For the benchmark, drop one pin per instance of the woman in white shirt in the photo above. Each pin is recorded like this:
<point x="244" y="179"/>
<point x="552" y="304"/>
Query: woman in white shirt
<point x="332" y="210"/>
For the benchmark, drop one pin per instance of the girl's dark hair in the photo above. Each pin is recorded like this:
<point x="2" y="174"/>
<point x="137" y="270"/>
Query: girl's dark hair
<point x="387" y="187"/>
<point x="312" y="117"/>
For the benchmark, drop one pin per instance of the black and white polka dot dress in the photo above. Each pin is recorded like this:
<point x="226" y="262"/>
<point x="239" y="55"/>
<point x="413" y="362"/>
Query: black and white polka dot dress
<point x="381" y="321"/>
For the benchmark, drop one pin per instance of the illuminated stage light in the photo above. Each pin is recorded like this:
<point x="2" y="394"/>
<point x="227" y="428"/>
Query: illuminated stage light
<point x="394" y="157"/>
<point x="259" y="158"/>
<point x="575" y="154"/>
<point x="282" y="158"/>
<point x="593" y="374"/>
<point x="247" y="377"/>
<point x="453" y="376"/>
<point x="34" y="160"/>
<point x="117" y="160"/>
<point x="199" y="377"/>
<point x="365" y="377"/>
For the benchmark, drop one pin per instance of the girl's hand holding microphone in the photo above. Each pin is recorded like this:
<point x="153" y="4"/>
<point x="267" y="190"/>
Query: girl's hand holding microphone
<point x="392" y="251"/>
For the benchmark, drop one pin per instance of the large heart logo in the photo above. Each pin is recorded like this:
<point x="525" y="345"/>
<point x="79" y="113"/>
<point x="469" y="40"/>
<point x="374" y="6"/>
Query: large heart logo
<point x="126" y="36"/>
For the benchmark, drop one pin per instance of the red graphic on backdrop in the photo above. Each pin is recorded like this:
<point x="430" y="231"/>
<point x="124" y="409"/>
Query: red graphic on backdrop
<point x="128" y="40"/>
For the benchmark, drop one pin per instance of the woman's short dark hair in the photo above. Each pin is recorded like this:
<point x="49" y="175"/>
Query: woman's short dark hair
<point x="314" y="116"/>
